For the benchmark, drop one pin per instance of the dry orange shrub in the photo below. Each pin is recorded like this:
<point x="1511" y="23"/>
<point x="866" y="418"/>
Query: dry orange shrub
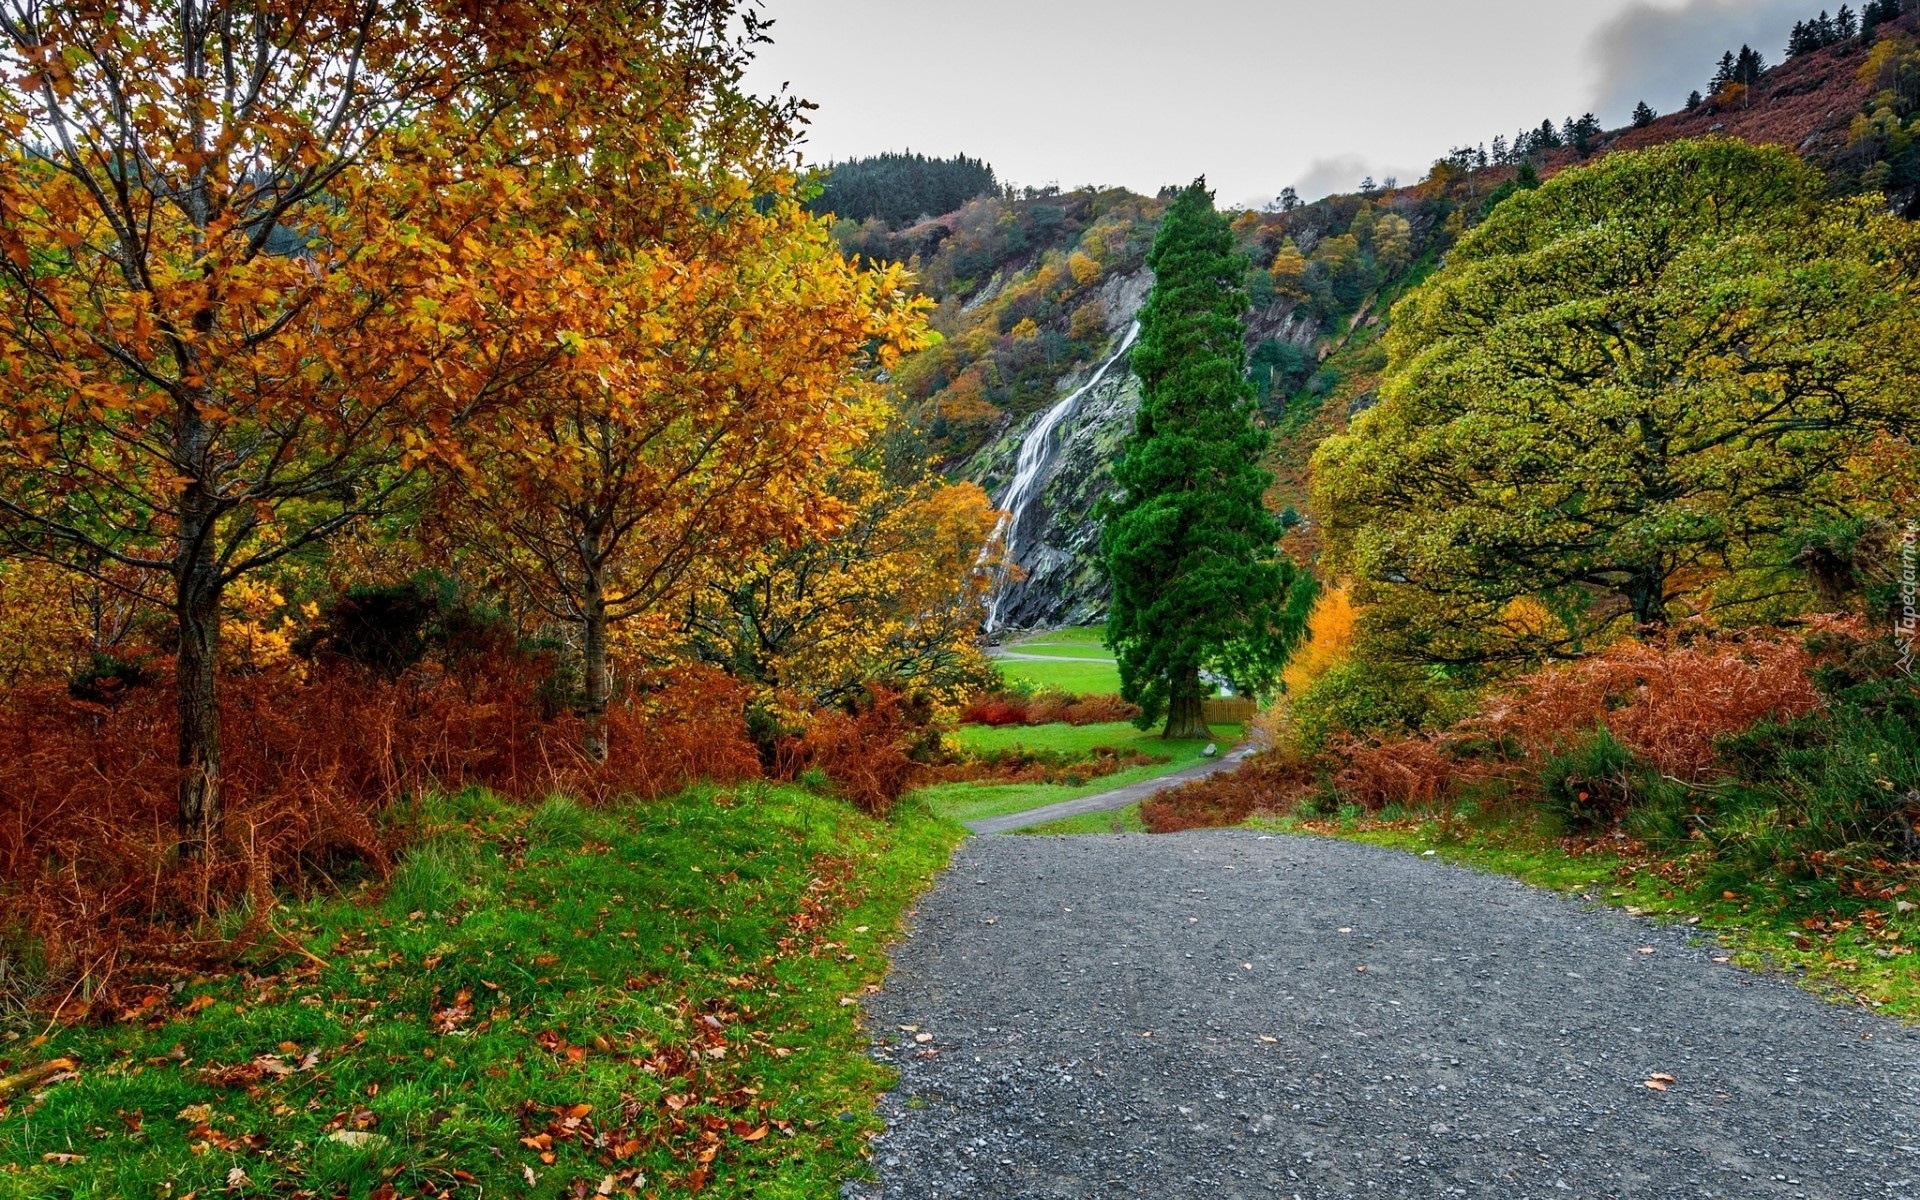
<point x="1048" y="710"/>
<point x="1264" y="783"/>
<point x="995" y="711"/>
<point x="312" y="764"/>
<point x="867" y="754"/>
<point x="1080" y="710"/>
<point x="1670" y="702"/>
<point x="1019" y="766"/>
<point x="1416" y="770"/>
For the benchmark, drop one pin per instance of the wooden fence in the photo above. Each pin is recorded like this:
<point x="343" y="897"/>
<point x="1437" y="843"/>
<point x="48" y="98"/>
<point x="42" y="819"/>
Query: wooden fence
<point x="1229" y="710"/>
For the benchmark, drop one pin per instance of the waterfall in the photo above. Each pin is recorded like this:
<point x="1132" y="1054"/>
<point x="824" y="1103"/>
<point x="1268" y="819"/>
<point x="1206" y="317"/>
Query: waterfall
<point x="1029" y="469"/>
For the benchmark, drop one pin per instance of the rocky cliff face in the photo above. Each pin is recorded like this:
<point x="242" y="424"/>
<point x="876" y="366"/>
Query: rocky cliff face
<point x="1056" y="539"/>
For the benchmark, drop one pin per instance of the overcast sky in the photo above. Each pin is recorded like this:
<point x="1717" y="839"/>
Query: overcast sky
<point x="1255" y="94"/>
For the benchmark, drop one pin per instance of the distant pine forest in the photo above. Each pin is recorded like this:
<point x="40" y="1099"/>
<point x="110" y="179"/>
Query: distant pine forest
<point x="899" y="189"/>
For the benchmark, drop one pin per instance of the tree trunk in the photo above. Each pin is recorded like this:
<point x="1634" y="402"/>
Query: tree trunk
<point x="1186" y="713"/>
<point x="597" y="682"/>
<point x="1648" y="595"/>
<point x="197" y="612"/>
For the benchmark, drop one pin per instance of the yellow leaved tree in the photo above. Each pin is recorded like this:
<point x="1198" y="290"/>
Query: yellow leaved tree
<point x="895" y="596"/>
<point x="254" y="265"/>
<point x="719" y="376"/>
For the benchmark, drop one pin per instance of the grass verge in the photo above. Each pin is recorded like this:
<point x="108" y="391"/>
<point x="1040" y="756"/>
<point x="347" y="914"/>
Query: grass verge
<point x="1847" y="947"/>
<point x="1082" y="637"/>
<point x="1079" y="678"/>
<point x="1080" y="641"/>
<point x="649" y="1000"/>
<point x="1119" y="820"/>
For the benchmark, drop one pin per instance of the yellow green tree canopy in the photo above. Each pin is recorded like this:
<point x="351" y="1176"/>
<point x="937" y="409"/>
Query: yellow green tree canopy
<point x="895" y="596"/>
<point x="713" y="388"/>
<point x="1625" y="390"/>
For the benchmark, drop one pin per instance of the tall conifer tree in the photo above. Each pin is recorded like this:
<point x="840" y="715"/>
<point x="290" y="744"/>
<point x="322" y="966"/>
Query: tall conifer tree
<point x="1198" y="581"/>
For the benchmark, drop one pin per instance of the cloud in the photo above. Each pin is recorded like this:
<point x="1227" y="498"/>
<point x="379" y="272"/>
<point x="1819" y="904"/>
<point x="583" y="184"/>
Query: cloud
<point x="1343" y="173"/>
<point x="1660" y="52"/>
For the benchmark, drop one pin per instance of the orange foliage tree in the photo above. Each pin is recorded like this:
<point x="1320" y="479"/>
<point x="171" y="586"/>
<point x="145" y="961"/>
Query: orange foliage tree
<point x="254" y="261"/>
<point x="716" y="379"/>
<point x="1329" y="641"/>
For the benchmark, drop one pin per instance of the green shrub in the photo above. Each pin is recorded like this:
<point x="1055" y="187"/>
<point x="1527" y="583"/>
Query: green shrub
<point x="1276" y="369"/>
<point x="1668" y="814"/>
<point x="387" y="628"/>
<point x="1831" y="795"/>
<point x="1762" y="753"/>
<point x="1595" y="782"/>
<point x="106" y="679"/>
<point x="1362" y="698"/>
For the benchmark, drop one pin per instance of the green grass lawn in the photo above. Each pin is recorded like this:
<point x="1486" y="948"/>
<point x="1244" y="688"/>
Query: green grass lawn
<point x="1087" y="637"/>
<point x="1083" y="641"/>
<point x="1080" y="678"/>
<point x="1068" y="675"/>
<point x="658" y="995"/>
<point x="1066" y="739"/>
<point x="1067" y="652"/>
<point x="1849" y="948"/>
<point x="969" y="801"/>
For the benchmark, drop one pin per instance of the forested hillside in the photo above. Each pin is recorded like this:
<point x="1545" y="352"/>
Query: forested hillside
<point x="1033" y="291"/>
<point x="893" y="189"/>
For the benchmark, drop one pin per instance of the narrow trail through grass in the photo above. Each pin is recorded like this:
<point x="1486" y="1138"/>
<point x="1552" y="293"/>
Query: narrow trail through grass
<point x="970" y="801"/>
<point x="1100" y="678"/>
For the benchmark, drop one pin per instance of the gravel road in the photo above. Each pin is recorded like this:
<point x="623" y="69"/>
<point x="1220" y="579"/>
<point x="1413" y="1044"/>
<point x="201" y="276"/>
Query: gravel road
<point x="1225" y="1014"/>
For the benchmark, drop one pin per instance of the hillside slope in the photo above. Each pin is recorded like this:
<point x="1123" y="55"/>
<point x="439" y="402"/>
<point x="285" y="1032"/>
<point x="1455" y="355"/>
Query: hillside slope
<point x="1034" y="291"/>
<point x="1811" y="103"/>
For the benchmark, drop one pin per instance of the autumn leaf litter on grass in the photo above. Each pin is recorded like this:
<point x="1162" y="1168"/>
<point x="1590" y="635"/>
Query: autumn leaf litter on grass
<point x="596" y="1020"/>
